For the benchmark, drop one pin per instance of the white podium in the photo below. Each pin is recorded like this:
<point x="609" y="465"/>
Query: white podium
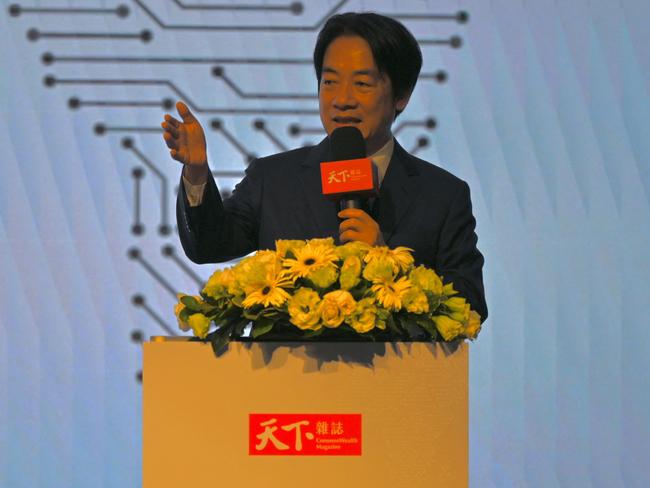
<point x="411" y="400"/>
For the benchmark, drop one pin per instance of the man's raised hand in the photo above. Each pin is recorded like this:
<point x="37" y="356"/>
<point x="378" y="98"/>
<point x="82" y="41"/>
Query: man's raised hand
<point x="186" y="141"/>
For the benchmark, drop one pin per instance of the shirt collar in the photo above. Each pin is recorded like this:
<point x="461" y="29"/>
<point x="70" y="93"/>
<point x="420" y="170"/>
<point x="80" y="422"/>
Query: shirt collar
<point x="382" y="157"/>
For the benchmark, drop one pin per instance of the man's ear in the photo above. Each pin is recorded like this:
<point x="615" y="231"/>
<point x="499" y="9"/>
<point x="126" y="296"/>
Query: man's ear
<point x="401" y="103"/>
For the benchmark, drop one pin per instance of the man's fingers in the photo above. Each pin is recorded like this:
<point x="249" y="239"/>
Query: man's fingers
<point x="170" y="129"/>
<point x="172" y="121"/>
<point x="354" y="213"/>
<point x="170" y="140"/>
<point x="349" y="224"/>
<point x="184" y="112"/>
<point x="349" y="235"/>
<point x="177" y="155"/>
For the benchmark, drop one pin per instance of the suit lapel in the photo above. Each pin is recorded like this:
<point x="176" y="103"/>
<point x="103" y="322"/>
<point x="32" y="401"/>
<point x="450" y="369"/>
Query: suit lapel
<point x="323" y="212"/>
<point x="398" y="190"/>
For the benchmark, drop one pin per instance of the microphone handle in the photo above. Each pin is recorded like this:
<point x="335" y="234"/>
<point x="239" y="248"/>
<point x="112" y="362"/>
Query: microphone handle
<point x="354" y="202"/>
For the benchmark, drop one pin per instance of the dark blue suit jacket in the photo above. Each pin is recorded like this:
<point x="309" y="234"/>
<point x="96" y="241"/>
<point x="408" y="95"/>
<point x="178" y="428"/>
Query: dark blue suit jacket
<point x="420" y="206"/>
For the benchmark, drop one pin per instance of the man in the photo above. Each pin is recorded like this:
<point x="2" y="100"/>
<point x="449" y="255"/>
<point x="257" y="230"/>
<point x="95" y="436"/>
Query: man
<point x="367" y="66"/>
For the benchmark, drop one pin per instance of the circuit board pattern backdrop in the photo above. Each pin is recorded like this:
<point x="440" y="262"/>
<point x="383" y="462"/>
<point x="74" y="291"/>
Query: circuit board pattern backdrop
<point x="541" y="107"/>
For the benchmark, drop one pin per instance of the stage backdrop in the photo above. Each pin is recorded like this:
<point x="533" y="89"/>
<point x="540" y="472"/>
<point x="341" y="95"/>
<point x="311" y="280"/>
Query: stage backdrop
<point x="542" y="107"/>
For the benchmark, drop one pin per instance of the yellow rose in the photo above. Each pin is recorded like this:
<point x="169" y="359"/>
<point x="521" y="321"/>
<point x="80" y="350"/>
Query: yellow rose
<point x="426" y="279"/>
<point x="200" y="324"/>
<point x="448" y="328"/>
<point x="459" y="309"/>
<point x="415" y="301"/>
<point x="364" y="316"/>
<point x="304" y="309"/>
<point x="473" y="326"/>
<point x="350" y="272"/>
<point x="180" y="306"/>
<point x="335" y="307"/>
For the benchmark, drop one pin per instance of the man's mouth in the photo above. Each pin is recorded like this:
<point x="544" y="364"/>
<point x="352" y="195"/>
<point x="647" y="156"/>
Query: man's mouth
<point x="346" y="120"/>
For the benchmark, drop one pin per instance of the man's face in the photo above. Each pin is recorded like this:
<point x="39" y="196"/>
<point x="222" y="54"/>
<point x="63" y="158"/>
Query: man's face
<point x="354" y="92"/>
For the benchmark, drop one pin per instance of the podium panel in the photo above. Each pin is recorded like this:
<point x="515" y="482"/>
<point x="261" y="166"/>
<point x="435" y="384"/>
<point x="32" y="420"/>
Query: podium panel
<point x="412" y="400"/>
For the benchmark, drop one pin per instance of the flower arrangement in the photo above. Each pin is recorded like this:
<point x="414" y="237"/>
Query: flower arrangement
<point x="314" y="289"/>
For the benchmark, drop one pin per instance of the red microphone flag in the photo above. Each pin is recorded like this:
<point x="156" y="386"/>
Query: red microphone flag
<point x="348" y="177"/>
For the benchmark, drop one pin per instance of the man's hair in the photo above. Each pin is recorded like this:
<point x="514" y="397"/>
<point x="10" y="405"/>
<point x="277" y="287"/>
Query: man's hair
<point x="395" y="50"/>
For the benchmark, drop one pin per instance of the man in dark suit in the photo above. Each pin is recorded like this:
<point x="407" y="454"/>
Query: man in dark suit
<point x="367" y="66"/>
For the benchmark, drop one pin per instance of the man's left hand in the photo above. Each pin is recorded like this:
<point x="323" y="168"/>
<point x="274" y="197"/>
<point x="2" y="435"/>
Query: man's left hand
<point x="357" y="225"/>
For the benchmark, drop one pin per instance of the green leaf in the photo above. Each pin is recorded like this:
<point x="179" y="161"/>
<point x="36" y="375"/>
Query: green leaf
<point x="220" y="340"/>
<point x="261" y="327"/>
<point x="392" y="325"/>
<point x="313" y="333"/>
<point x="191" y="303"/>
<point x="428" y="326"/>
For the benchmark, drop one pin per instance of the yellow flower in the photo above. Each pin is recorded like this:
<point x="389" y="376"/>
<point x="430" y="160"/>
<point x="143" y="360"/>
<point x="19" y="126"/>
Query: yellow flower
<point x="220" y="284"/>
<point x="353" y="248"/>
<point x="256" y="268"/>
<point x="473" y="326"/>
<point x="324" y="242"/>
<point x="459" y="309"/>
<point x="283" y="246"/>
<point x="324" y="277"/>
<point x="313" y="256"/>
<point x="335" y="307"/>
<point x="378" y="270"/>
<point x="390" y="293"/>
<point x="427" y="279"/>
<point x="178" y="308"/>
<point x="267" y="292"/>
<point x="448" y="289"/>
<point x="350" y="271"/>
<point x="415" y="301"/>
<point x="200" y="324"/>
<point x="364" y="316"/>
<point x="304" y="309"/>
<point x="448" y="328"/>
<point x="400" y="258"/>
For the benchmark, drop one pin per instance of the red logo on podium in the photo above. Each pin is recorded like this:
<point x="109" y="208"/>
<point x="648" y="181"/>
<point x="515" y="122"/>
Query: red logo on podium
<point x="279" y="434"/>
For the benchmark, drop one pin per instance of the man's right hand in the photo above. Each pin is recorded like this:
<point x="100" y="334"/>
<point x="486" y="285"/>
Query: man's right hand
<point x="186" y="141"/>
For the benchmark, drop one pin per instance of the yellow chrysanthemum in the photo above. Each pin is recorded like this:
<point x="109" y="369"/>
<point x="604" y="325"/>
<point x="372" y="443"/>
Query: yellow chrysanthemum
<point x="448" y="289"/>
<point x="390" y="294"/>
<point x="324" y="277"/>
<point x="473" y="326"/>
<point x="379" y="270"/>
<point x="426" y="279"/>
<point x="200" y="324"/>
<point x="350" y="272"/>
<point x="448" y="327"/>
<point x="335" y="307"/>
<point x="312" y="257"/>
<point x="283" y="246"/>
<point x="364" y="316"/>
<point x="304" y="310"/>
<point x="221" y="283"/>
<point x="353" y="248"/>
<point x="400" y="258"/>
<point x="415" y="300"/>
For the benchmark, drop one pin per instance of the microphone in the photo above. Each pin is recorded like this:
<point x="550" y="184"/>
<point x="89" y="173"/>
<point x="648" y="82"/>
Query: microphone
<point x="350" y="178"/>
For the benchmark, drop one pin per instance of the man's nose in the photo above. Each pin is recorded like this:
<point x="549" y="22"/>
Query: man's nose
<point x="344" y="98"/>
